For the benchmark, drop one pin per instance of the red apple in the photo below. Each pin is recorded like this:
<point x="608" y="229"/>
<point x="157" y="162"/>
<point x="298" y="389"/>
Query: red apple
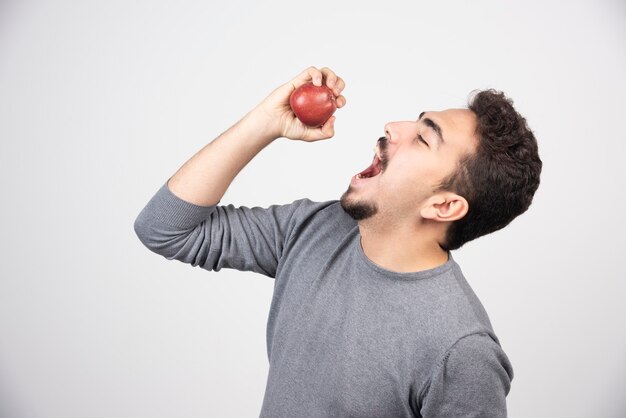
<point x="313" y="105"/>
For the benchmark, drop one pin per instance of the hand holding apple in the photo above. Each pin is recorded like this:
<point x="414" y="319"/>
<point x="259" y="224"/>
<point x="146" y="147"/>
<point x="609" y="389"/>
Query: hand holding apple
<point x="312" y="104"/>
<point x="276" y="117"/>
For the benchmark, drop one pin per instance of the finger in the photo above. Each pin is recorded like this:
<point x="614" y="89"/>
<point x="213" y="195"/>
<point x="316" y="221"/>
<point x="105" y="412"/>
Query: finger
<point x="315" y="76"/>
<point x="339" y="86"/>
<point x="308" y="75"/>
<point x="330" y="77"/>
<point x="328" y="129"/>
<point x="340" y="101"/>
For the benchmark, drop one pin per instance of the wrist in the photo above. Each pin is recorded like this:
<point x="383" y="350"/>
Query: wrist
<point x="263" y="124"/>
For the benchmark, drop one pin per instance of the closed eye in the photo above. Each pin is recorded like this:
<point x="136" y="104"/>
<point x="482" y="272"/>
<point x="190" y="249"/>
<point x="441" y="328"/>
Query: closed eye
<point x="422" y="139"/>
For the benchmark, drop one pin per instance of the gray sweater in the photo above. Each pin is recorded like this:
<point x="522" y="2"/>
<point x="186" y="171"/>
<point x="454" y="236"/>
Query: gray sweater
<point x="345" y="337"/>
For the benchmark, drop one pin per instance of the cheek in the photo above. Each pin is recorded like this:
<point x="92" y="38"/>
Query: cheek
<point x="416" y="172"/>
<point x="411" y="184"/>
<point x="406" y="182"/>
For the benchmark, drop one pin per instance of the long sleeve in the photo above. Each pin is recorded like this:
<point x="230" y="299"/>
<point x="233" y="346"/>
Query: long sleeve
<point x="472" y="380"/>
<point x="216" y="237"/>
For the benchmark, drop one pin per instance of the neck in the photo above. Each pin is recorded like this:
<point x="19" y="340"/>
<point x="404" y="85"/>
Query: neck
<point x="402" y="250"/>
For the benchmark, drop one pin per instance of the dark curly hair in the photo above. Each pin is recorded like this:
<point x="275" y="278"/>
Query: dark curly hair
<point x="499" y="180"/>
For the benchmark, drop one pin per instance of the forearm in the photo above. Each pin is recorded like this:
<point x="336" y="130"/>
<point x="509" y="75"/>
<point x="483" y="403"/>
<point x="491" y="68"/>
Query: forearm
<point x="206" y="176"/>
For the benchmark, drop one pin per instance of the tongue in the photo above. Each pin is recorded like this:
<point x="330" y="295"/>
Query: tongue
<point x="373" y="170"/>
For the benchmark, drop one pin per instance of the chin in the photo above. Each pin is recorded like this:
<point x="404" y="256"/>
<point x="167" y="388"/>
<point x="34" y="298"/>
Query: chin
<point x="357" y="210"/>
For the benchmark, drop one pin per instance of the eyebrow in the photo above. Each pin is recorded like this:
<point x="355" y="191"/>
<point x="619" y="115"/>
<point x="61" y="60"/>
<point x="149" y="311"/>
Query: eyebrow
<point x="433" y="125"/>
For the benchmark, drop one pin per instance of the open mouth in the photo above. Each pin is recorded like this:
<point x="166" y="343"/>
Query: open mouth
<point x="373" y="170"/>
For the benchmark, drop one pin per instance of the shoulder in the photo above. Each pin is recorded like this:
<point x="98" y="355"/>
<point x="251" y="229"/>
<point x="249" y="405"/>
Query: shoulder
<point x="453" y="321"/>
<point x="476" y="358"/>
<point x="323" y="214"/>
<point x="454" y="309"/>
<point x="302" y="219"/>
<point x="292" y="214"/>
<point x="471" y="352"/>
<point x="311" y="207"/>
<point x="473" y="375"/>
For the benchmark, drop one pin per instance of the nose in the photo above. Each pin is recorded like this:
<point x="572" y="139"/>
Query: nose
<point x="395" y="132"/>
<point x="388" y="130"/>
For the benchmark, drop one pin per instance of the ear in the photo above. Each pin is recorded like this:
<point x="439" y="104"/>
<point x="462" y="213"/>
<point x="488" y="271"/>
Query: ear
<point x="444" y="207"/>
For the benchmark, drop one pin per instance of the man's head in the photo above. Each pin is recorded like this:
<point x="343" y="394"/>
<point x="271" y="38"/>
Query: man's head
<point x="471" y="170"/>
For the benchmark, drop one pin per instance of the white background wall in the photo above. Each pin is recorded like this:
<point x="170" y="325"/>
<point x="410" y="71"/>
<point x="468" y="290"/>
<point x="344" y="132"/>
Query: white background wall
<point x="100" y="102"/>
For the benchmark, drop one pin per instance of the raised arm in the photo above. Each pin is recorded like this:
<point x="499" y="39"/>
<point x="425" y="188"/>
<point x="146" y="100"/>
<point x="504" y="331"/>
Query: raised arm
<point x="204" y="178"/>
<point x="182" y="221"/>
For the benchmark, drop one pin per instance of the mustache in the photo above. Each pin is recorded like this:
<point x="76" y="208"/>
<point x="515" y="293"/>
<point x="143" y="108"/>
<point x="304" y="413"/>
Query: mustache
<point x="382" y="144"/>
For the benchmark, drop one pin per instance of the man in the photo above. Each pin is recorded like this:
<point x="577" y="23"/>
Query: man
<point x="371" y="316"/>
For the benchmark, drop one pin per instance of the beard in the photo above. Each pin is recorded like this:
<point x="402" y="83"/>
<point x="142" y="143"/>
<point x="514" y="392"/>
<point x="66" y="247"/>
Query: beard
<point x="363" y="210"/>
<point x="357" y="210"/>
